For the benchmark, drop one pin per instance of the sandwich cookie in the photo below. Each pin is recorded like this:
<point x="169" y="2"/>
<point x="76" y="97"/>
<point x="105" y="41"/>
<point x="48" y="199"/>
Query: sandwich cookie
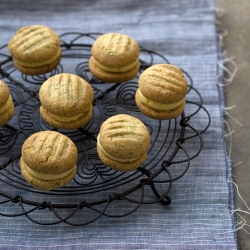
<point x="48" y="160"/>
<point x="114" y="58"/>
<point x="35" y="49"/>
<point x="66" y="101"/>
<point x="6" y="104"/>
<point x="161" y="92"/>
<point x="123" y="142"/>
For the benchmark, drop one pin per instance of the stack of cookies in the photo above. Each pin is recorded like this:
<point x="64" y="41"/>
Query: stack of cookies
<point x="48" y="160"/>
<point x="66" y="101"/>
<point x="161" y="92"/>
<point x="123" y="142"/>
<point x="35" y="49"/>
<point x="115" y="58"/>
<point x="6" y="104"/>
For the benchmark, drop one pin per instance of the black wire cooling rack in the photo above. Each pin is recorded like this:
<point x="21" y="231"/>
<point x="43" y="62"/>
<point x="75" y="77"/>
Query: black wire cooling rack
<point x="96" y="190"/>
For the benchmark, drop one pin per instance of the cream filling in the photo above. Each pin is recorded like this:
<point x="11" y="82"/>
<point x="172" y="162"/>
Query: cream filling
<point x="47" y="177"/>
<point x="6" y="105"/>
<point x="38" y="64"/>
<point x="110" y="156"/>
<point x="65" y="118"/>
<point x="158" y="105"/>
<point x="116" y="69"/>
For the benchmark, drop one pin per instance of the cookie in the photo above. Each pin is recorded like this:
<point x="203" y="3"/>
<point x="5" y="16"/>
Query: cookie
<point x="6" y="104"/>
<point x="161" y="92"/>
<point x="48" y="160"/>
<point x="66" y="101"/>
<point x="114" y="58"/>
<point x="35" y="49"/>
<point x="123" y="142"/>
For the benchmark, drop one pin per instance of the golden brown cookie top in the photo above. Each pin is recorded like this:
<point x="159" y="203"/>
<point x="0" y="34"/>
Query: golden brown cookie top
<point x="34" y="43"/>
<point x="163" y="83"/>
<point x="66" y="95"/>
<point x="115" y="50"/>
<point x="49" y="152"/>
<point x="4" y="93"/>
<point x="124" y="136"/>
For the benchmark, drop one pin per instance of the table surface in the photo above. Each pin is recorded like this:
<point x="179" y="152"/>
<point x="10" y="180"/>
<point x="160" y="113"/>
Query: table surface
<point x="233" y="23"/>
<point x="234" y="19"/>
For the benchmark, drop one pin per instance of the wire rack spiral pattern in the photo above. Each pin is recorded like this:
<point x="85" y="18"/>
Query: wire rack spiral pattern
<point x="96" y="189"/>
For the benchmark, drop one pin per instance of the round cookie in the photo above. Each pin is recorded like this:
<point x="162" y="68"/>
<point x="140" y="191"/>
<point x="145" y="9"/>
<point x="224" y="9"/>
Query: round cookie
<point x="161" y="92"/>
<point x="123" y="142"/>
<point x="114" y="58"/>
<point x="6" y="104"/>
<point x="35" y="49"/>
<point x="48" y="160"/>
<point x="66" y="101"/>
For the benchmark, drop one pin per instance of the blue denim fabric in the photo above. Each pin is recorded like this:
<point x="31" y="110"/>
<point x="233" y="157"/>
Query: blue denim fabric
<point x="199" y="216"/>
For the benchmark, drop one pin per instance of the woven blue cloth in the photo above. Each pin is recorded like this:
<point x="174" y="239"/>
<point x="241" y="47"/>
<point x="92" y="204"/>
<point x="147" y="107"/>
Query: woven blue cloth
<point x="199" y="217"/>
